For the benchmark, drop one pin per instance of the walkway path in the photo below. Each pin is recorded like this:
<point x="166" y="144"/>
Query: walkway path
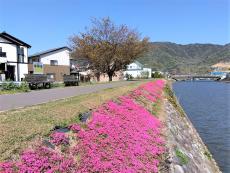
<point x="14" y="101"/>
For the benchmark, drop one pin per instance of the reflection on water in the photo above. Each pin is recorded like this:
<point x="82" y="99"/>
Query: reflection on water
<point x="207" y="104"/>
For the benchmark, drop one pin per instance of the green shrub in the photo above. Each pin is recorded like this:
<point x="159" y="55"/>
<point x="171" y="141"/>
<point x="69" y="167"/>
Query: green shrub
<point x="157" y="75"/>
<point x="145" y="74"/>
<point x="9" y="85"/>
<point x="57" y="85"/>
<point x="183" y="158"/>
<point x="208" y="155"/>
<point x="24" y="87"/>
<point x="128" y="76"/>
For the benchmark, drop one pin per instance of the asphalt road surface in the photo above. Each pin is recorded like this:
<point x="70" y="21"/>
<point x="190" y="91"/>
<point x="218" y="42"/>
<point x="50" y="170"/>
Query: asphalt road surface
<point x="20" y="100"/>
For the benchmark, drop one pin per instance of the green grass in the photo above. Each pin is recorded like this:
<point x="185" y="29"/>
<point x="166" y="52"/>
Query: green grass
<point x="10" y="91"/>
<point x="53" y="85"/>
<point x="173" y="100"/>
<point x="23" y="127"/>
<point x="57" y="85"/>
<point x="156" y="107"/>
<point x="208" y="155"/>
<point x="182" y="157"/>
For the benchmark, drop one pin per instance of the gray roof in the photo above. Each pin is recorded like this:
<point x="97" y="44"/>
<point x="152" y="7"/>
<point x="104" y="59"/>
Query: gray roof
<point x="49" y="51"/>
<point x="13" y="39"/>
<point x="138" y="63"/>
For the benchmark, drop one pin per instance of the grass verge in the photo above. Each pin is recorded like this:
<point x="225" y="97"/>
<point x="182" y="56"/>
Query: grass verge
<point x="173" y="100"/>
<point x="20" y="128"/>
<point x="53" y="85"/>
<point x="10" y="91"/>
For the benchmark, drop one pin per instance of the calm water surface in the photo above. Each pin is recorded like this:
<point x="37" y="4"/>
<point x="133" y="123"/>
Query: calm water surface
<point x="207" y="104"/>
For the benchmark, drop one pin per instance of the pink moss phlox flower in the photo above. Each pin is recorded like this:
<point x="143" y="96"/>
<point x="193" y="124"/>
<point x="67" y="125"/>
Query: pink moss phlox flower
<point x="41" y="159"/>
<point x="7" y="167"/>
<point x="122" y="136"/>
<point x="75" y="127"/>
<point x="151" y="90"/>
<point x="59" y="138"/>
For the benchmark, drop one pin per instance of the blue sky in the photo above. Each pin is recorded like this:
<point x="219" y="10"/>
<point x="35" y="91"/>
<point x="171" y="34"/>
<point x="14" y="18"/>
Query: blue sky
<point x="46" y="24"/>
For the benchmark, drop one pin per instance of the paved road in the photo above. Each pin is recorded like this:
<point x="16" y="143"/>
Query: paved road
<point x="14" y="101"/>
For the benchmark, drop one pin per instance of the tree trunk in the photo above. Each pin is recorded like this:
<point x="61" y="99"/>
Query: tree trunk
<point x="98" y="77"/>
<point x="110" y="74"/>
<point x="110" y="77"/>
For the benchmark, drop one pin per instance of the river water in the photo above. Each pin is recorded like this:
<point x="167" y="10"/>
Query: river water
<point x="207" y="104"/>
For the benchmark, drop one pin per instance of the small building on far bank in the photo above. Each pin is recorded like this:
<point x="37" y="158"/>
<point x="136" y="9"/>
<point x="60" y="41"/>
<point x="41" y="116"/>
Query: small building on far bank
<point x="54" y="62"/>
<point x="137" y="70"/>
<point x="220" y="69"/>
<point x="221" y="66"/>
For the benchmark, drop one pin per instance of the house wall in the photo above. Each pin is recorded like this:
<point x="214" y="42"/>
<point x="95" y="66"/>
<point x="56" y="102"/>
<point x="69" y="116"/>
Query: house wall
<point x="62" y="56"/>
<point x="137" y="73"/>
<point x="63" y="67"/>
<point x="11" y="58"/>
<point x="149" y="70"/>
<point x="23" y="70"/>
<point x="135" y="69"/>
<point x="10" y="49"/>
<point x="134" y="73"/>
<point x="58" y="71"/>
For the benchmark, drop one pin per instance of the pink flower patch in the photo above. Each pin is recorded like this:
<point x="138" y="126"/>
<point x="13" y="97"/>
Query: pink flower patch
<point x="121" y="137"/>
<point x="75" y="127"/>
<point x="59" y="138"/>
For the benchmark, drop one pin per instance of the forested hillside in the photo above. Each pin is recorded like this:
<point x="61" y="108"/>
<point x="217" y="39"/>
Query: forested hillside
<point x="190" y="58"/>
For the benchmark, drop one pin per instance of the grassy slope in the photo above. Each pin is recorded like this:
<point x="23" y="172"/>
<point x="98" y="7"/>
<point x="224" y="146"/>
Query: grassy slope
<point x="19" y="128"/>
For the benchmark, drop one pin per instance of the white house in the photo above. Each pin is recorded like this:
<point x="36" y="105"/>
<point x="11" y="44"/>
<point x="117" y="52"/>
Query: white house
<point x="55" y="62"/>
<point x="13" y="58"/>
<point x="136" y="69"/>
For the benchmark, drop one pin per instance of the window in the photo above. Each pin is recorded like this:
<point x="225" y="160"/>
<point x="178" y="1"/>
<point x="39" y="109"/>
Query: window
<point x="130" y="67"/>
<point x="53" y="62"/>
<point x="20" y="54"/>
<point x="22" y="51"/>
<point x="20" y="58"/>
<point x="2" y="54"/>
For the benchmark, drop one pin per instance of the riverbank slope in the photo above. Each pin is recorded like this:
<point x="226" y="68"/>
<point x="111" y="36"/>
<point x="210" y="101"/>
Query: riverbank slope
<point x="186" y="150"/>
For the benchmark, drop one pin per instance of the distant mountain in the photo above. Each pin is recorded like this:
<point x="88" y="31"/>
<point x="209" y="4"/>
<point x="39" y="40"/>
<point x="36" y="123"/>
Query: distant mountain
<point x="190" y="58"/>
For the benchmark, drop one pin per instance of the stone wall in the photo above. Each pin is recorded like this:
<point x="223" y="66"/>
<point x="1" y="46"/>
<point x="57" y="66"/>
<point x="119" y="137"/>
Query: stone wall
<point x="187" y="153"/>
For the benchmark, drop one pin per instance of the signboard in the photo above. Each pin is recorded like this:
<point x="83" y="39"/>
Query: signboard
<point x="38" y="67"/>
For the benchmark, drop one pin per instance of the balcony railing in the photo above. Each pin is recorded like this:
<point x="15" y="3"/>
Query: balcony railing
<point x="3" y="54"/>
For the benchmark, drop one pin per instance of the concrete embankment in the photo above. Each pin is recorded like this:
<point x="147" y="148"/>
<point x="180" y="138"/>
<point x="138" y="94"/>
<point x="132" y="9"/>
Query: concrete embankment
<point x="186" y="151"/>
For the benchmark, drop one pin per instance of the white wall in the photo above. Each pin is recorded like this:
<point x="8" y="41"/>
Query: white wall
<point x="137" y="73"/>
<point x="134" y="73"/>
<point x="23" y="69"/>
<point x="149" y="70"/>
<point x="11" y="51"/>
<point x="62" y="56"/>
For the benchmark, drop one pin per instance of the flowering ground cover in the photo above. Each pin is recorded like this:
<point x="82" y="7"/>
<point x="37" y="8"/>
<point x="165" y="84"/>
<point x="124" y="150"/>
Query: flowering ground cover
<point x="121" y="136"/>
